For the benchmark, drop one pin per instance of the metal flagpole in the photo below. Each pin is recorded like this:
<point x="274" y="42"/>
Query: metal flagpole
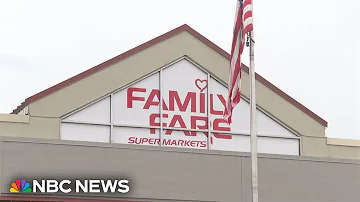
<point x="253" y="133"/>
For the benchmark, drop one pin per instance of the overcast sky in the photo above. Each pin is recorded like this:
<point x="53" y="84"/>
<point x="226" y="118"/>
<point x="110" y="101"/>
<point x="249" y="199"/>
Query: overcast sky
<point x="310" y="50"/>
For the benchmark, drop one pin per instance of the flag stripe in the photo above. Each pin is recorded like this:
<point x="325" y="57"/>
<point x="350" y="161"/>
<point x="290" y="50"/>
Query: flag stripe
<point x="243" y="24"/>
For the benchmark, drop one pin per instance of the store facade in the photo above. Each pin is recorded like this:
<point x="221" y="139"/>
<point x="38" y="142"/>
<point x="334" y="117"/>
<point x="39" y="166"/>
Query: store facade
<point x="158" y="109"/>
<point x="191" y="109"/>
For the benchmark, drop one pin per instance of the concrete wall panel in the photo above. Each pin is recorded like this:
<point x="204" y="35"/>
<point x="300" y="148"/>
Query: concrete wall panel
<point x="37" y="127"/>
<point x="173" y="174"/>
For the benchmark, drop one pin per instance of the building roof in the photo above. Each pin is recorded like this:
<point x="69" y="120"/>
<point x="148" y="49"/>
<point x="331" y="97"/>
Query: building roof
<point x="150" y="43"/>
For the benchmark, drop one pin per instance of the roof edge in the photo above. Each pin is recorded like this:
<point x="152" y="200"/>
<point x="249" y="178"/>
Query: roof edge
<point x="12" y="118"/>
<point x="343" y="142"/>
<point x="99" y="67"/>
<point x="150" y="43"/>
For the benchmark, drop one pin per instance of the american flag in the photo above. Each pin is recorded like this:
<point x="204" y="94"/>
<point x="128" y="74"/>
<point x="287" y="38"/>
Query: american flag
<point x="243" y="25"/>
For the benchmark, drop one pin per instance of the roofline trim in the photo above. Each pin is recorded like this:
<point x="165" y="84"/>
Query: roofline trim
<point x="152" y="42"/>
<point x="343" y="142"/>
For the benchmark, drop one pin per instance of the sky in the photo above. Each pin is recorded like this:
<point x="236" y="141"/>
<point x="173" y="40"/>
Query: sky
<point x="311" y="51"/>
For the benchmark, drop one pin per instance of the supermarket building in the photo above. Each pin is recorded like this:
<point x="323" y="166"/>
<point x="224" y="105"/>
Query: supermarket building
<point x="154" y="115"/>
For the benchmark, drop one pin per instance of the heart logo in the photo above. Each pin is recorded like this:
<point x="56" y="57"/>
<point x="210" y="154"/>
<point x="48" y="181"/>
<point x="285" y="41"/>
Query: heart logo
<point x="201" y="84"/>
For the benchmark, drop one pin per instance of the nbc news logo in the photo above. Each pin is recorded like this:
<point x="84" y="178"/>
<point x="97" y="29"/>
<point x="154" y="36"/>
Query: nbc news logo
<point x="20" y="186"/>
<point x="68" y="186"/>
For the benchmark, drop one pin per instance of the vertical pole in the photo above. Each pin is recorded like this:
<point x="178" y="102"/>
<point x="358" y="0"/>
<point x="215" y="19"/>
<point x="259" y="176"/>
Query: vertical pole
<point x="208" y="111"/>
<point x="161" y="105"/>
<point x="111" y="117"/>
<point x="253" y="126"/>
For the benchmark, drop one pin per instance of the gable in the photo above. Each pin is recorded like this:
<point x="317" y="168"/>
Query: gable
<point x="193" y="101"/>
<point x="149" y="57"/>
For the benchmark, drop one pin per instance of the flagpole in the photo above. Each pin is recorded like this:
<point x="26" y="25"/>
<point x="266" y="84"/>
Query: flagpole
<point x="253" y="125"/>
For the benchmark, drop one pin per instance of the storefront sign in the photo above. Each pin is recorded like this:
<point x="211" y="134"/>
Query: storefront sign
<point x="193" y="102"/>
<point x="190" y="112"/>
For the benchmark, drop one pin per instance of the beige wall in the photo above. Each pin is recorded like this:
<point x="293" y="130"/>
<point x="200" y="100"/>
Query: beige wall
<point x="153" y="58"/>
<point x="28" y="126"/>
<point x="319" y="147"/>
<point x="52" y="107"/>
<point x="174" y="174"/>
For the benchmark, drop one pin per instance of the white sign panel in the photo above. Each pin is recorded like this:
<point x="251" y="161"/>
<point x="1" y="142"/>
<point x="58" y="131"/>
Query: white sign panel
<point x="192" y="106"/>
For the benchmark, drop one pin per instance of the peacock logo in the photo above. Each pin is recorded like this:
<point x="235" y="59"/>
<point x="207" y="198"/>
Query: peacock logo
<point x="20" y="186"/>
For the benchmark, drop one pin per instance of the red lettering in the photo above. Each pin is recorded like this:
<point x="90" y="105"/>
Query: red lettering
<point x="219" y="128"/>
<point x="135" y="140"/>
<point x="196" y="122"/>
<point x="194" y="125"/>
<point x="152" y="141"/>
<point x="197" y="143"/>
<point x="151" y="102"/>
<point x="202" y="102"/>
<point x="131" y="140"/>
<point x="131" y="98"/>
<point x="174" y="120"/>
<point x="174" y="97"/>
<point x="152" y="120"/>
<point x="212" y="110"/>
<point x="222" y="99"/>
<point x="153" y="123"/>
<point x="166" y="142"/>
